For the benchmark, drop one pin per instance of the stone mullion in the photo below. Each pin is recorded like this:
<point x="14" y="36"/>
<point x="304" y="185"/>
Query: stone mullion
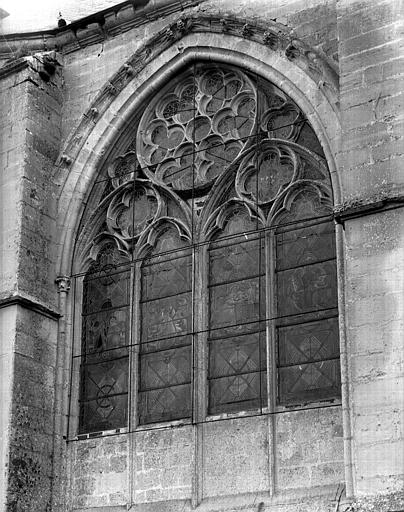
<point x="133" y="398"/>
<point x="75" y="356"/>
<point x="200" y="358"/>
<point x="270" y="312"/>
<point x="63" y="383"/>
<point x="72" y="400"/>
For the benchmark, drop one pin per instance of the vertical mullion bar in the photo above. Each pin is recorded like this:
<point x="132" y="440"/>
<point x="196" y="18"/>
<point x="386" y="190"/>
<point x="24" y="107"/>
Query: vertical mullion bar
<point x="194" y="353"/>
<point x="271" y="313"/>
<point x="132" y="319"/>
<point x="74" y="388"/>
<point x="133" y="363"/>
<point x="271" y="351"/>
<point x="198" y="382"/>
<point x="133" y="390"/>
<point x="256" y="150"/>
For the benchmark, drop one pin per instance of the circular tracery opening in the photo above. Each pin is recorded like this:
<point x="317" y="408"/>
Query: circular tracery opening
<point x="223" y="193"/>
<point x="201" y="121"/>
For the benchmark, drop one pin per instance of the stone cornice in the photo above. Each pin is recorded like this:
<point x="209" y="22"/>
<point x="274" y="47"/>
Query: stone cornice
<point x="44" y="64"/>
<point x="30" y="304"/>
<point x="13" y="67"/>
<point x="92" y="29"/>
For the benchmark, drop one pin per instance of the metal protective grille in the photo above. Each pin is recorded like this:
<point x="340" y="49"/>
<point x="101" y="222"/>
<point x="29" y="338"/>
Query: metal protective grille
<point x="213" y="258"/>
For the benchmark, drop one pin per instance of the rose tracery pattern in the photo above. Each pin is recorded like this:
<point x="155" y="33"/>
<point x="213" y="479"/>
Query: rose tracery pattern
<point x="224" y="183"/>
<point x="199" y="126"/>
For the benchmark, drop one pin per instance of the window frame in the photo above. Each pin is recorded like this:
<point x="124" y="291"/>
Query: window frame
<point x="199" y="391"/>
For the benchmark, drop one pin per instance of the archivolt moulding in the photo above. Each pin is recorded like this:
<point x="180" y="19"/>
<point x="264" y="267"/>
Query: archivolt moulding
<point x="267" y="50"/>
<point x="274" y="36"/>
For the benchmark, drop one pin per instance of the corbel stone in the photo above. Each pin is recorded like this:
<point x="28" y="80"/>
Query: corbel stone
<point x="270" y="39"/>
<point x="63" y="284"/>
<point x="66" y="159"/>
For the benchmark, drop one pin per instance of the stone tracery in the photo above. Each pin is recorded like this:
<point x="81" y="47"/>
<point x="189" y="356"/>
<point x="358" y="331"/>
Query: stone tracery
<point x="208" y="122"/>
<point x="217" y="153"/>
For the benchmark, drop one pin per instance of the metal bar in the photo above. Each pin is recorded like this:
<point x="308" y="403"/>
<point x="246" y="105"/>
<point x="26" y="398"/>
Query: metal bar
<point x="240" y="139"/>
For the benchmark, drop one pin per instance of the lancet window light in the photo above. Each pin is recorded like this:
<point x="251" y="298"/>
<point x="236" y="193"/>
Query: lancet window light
<point x="209" y="257"/>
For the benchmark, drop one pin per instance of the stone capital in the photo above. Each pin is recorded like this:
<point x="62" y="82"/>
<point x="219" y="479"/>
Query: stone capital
<point x="63" y="283"/>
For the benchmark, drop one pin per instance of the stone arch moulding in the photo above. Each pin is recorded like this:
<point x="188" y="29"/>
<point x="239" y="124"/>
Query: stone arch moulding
<point x="267" y="50"/>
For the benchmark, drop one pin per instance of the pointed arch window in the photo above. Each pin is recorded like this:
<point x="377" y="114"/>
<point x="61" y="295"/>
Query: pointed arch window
<point x="211" y="282"/>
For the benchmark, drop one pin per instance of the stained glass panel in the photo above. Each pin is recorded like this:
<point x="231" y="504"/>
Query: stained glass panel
<point x="105" y="378"/>
<point x="165" y="343"/>
<point x="307" y="203"/>
<point x="236" y="373"/>
<point x="166" y="325"/>
<point x="307" y="288"/>
<point x="239" y="392"/>
<point x="312" y="381"/>
<point x="105" y="342"/>
<point x="235" y="259"/>
<point x="308" y="139"/>
<point x="169" y="277"/>
<point x="163" y="318"/>
<point x="312" y="341"/>
<point x="304" y="246"/>
<point x="238" y="306"/>
<point x="165" y="404"/>
<point x="241" y="354"/>
<point x="108" y="288"/>
<point x="308" y="348"/>
<point x="104" y="413"/>
<point x="165" y="368"/>
<point x="106" y="330"/>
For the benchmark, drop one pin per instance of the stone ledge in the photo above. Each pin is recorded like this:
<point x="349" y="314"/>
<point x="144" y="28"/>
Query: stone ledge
<point x="13" y="67"/>
<point x="30" y="304"/>
<point x="44" y="64"/>
<point x="362" y="207"/>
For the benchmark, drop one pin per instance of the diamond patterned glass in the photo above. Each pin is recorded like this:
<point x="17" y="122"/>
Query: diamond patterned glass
<point x="105" y="341"/>
<point x="216" y="220"/>
<point x="237" y="358"/>
<point x="308" y="382"/>
<point x="166" y="325"/>
<point x="307" y="325"/>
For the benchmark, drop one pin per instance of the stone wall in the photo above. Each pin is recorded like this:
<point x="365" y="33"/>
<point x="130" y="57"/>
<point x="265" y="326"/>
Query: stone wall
<point x="306" y="460"/>
<point x="371" y="162"/>
<point x="294" y="452"/>
<point x="30" y="139"/>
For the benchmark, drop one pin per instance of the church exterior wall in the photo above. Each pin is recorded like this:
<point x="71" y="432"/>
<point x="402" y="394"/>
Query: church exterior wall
<point x="57" y="130"/>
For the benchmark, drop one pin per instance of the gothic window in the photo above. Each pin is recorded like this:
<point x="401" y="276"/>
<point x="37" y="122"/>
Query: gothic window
<point x="211" y="286"/>
<point x="166" y="331"/>
<point x="105" y="340"/>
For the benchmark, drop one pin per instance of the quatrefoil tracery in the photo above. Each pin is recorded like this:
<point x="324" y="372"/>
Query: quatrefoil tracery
<point x="200" y="125"/>
<point x="213" y="137"/>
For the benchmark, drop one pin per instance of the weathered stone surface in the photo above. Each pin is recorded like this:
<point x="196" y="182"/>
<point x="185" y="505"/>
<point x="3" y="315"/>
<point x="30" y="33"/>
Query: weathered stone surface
<point x="303" y="457"/>
<point x="235" y="456"/>
<point x="163" y="464"/>
<point x="309" y="448"/>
